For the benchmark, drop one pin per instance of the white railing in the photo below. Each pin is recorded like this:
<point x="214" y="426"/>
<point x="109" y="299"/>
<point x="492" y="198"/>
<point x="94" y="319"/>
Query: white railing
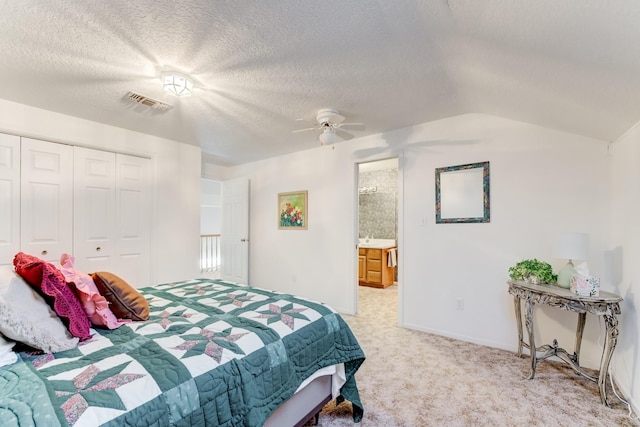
<point x="209" y="252"/>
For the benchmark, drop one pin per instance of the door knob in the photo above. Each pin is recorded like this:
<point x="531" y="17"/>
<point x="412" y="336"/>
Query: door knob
<point x="45" y="252"/>
<point x="98" y="249"/>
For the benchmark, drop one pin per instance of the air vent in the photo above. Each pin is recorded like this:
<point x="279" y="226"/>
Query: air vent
<point x="149" y="102"/>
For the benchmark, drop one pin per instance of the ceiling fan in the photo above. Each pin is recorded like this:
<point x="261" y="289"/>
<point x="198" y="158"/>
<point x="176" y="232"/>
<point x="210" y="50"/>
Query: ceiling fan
<point x="330" y="122"/>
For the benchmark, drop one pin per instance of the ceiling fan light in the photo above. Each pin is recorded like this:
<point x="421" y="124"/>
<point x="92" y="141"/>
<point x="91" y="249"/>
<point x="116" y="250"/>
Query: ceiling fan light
<point x="328" y="137"/>
<point x="177" y="84"/>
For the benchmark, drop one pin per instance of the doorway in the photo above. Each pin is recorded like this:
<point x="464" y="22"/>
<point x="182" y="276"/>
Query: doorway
<point x="378" y="230"/>
<point x="210" y="225"/>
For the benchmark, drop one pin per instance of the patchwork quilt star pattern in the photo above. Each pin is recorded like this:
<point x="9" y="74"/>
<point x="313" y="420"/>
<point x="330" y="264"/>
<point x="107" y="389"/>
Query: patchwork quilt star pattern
<point x="211" y="350"/>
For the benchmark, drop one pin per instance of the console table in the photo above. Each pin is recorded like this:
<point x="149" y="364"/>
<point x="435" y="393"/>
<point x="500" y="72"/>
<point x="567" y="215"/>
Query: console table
<point x="606" y="305"/>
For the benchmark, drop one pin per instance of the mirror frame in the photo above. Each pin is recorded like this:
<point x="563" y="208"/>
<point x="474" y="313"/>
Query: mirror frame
<point x="485" y="197"/>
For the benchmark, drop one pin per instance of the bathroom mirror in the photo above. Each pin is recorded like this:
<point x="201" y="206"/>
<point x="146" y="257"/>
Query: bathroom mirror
<point x="462" y="193"/>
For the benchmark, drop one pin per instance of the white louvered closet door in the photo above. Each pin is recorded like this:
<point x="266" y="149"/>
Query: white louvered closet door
<point x="46" y="225"/>
<point x="94" y="202"/>
<point x="133" y="220"/>
<point x="9" y="197"/>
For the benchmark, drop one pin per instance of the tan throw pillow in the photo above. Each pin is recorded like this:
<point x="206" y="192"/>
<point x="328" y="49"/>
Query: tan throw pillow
<point x="27" y="318"/>
<point x="125" y="301"/>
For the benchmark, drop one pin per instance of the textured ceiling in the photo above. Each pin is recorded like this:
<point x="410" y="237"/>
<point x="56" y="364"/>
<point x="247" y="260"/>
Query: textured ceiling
<point x="259" y="65"/>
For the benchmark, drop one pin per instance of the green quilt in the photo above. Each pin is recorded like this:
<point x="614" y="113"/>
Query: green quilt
<point x="213" y="353"/>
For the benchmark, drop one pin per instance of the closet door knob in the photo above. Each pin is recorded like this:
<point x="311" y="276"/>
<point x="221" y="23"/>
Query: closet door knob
<point x="45" y="252"/>
<point x="98" y="248"/>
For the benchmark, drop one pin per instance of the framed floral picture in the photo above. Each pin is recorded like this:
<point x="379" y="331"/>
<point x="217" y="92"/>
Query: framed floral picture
<point x="292" y="210"/>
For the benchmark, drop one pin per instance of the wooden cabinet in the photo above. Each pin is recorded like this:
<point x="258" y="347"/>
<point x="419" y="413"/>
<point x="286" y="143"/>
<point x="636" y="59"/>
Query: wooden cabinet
<point x="362" y="265"/>
<point x="373" y="268"/>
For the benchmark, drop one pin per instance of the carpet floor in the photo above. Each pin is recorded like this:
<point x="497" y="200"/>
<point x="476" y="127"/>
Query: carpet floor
<point x="438" y="381"/>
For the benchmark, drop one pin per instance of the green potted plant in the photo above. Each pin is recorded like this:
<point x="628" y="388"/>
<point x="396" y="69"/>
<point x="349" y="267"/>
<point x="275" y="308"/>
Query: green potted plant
<point x="533" y="271"/>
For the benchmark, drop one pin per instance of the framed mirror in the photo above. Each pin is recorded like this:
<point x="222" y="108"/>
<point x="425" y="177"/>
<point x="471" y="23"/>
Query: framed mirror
<point x="462" y="193"/>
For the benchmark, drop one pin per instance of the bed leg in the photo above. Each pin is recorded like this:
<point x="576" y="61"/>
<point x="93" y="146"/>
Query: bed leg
<point x="316" y="418"/>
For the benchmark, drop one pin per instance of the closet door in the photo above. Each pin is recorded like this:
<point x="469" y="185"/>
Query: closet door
<point x="133" y="218"/>
<point x="46" y="199"/>
<point x="9" y="197"/>
<point x="94" y="209"/>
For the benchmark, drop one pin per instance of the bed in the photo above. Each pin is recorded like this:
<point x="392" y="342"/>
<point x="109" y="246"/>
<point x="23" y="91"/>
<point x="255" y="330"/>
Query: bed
<point x="212" y="353"/>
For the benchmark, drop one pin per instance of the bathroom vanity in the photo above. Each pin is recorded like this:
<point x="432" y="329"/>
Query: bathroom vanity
<point x="374" y="267"/>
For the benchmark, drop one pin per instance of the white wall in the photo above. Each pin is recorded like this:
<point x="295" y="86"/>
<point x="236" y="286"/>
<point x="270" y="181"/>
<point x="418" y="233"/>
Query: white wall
<point x="176" y="174"/>
<point x="625" y="253"/>
<point x="542" y="182"/>
<point x="318" y="262"/>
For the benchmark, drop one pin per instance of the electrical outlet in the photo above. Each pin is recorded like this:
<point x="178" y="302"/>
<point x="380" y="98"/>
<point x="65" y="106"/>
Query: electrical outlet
<point x="459" y="304"/>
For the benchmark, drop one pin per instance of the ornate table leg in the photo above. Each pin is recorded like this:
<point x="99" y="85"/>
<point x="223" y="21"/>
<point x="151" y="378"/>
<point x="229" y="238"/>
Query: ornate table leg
<point x="516" y="304"/>
<point x="582" y="317"/>
<point x="610" y="342"/>
<point x="532" y="343"/>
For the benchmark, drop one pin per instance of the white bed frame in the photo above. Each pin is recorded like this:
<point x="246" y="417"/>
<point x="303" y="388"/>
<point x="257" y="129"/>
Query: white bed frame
<point x="303" y="405"/>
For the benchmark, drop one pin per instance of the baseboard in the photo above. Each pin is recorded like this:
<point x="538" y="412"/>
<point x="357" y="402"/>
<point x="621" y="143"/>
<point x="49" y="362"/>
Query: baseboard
<point x="465" y="338"/>
<point x="625" y="395"/>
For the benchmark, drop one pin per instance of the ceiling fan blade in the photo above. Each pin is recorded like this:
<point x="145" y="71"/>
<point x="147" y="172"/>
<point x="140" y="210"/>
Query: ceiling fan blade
<point x="351" y="126"/>
<point x="344" y="134"/>
<point x="335" y="119"/>
<point x="303" y="130"/>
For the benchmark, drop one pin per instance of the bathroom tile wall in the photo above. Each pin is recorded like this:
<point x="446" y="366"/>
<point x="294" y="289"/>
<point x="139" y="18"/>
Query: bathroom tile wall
<point x="378" y="209"/>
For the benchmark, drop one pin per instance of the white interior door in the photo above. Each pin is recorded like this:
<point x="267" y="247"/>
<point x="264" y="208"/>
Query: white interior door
<point x="234" y="235"/>
<point x="132" y="261"/>
<point x="9" y="197"/>
<point x="94" y="209"/>
<point x="46" y="199"/>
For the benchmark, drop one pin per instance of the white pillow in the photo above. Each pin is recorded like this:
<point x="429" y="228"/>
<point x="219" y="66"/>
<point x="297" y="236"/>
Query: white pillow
<point x="7" y="356"/>
<point x="26" y="317"/>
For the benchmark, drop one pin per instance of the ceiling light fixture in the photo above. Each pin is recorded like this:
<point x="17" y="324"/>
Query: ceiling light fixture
<point x="328" y="136"/>
<point x="177" y="84"/>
